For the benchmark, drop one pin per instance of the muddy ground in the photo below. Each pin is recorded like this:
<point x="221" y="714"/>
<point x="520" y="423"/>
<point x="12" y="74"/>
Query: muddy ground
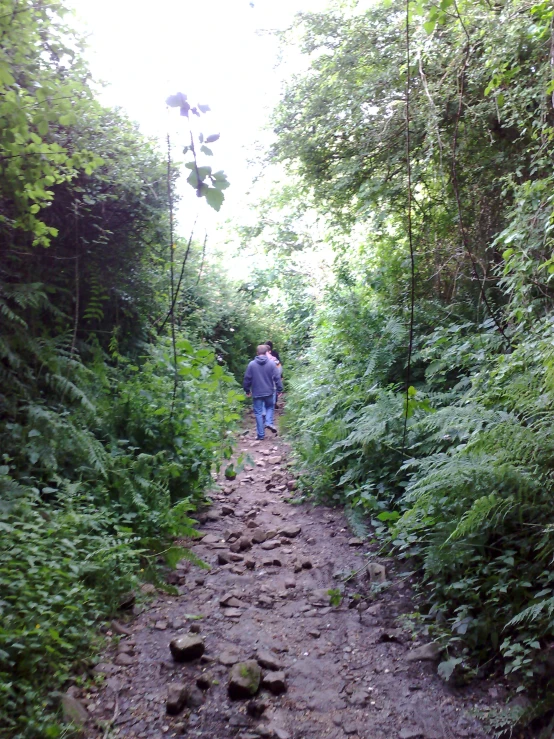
<point x="348" y="672"/>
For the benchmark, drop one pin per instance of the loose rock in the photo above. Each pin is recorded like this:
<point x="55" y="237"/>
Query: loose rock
<point x="204" y="682"/>
<point x="259" y="536"/>
<point x="244" y="680"/>
<point x="74" y="711"/>
<point x="177" y="695"/>
<point x="269" y="545"/>
<point x="124" y="660"/>
<point x="275" y="682"/>
<point x="268" y="660"/>
<point x="187" y="648"/>
<point x="426" y="653"/>
<point x="411" y="733"/>
<point x="194" y="698"/>
<point x="120" y="629"/>
<point x="255" y="708"/>
<point x="229" y="657"/>
<point x="377" y="573"/>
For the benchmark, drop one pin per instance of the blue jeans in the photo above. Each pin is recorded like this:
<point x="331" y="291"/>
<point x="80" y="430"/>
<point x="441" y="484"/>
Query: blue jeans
<point x="261" y="406"/>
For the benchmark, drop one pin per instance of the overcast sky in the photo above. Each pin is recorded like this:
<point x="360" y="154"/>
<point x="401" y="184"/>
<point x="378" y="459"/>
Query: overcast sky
<point x="215" y="51"/>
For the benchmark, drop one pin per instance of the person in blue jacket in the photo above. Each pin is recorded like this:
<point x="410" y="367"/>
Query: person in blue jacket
<point x="261" y="379"/>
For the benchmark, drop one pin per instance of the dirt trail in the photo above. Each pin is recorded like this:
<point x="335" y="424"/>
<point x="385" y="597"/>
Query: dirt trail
<point x="347" y="671"/>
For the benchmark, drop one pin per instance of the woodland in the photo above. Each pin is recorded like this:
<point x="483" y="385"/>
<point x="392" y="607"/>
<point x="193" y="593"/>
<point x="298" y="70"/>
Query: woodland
<point x="417" y="143"/>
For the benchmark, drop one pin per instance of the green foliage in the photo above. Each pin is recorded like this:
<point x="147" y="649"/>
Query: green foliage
<point x="39" y="100"/>
<point x="207" y="184"/>
<point x="61" y="569"/>
<point x="451" y="462"/>
<point x="108" y="437"/>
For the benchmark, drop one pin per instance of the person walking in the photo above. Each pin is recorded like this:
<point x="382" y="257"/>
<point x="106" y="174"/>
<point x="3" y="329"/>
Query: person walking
<point x="260" y="380"/>
<point x="273" y="354"/>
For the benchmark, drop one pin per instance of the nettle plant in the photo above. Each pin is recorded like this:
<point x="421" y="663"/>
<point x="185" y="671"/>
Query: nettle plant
<point x="208" y="184"/>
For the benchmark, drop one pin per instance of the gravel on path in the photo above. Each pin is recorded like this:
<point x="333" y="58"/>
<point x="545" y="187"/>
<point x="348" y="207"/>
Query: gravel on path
<point x="257" y="647"/>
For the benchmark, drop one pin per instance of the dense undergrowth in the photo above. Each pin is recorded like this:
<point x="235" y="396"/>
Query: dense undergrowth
<point x="450" y="457"/>
<point x="117" y="352"/>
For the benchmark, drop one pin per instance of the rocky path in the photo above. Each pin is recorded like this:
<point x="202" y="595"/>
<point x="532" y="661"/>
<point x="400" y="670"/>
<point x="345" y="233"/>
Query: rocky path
<point x="253" y="647"/>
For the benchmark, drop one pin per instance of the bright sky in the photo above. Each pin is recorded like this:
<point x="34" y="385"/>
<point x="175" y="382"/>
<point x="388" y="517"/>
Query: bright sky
<point x="216" y="52"/>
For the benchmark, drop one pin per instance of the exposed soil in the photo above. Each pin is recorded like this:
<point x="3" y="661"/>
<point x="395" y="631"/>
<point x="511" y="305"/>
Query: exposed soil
<point x="346" y="670"/>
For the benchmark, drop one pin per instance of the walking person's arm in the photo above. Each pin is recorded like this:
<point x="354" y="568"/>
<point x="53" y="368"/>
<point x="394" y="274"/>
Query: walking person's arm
<point x="247" y="382"/>
<point x="277" y="379"/>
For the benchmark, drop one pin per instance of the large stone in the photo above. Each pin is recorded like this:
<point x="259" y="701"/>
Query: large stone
<point x="275" y="682"/>
<point x="355" y="542"/>
<point x="426" y="653"/>
<point x="268" y="660"/>
<point x="245" y="543"/>
<point x="244" y="680"/>
<point x="177" y="695"/>
<point x="274" y="460"/>
<point x="210" y="539"/>
<point x="290" y="532"/>
<point x="187" y="648"/>
<point x="74" y="711"/>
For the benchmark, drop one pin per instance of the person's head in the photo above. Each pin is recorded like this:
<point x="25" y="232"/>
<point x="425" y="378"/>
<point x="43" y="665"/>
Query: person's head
<point x="269" y="344"/>
<point x="262" y="349"/>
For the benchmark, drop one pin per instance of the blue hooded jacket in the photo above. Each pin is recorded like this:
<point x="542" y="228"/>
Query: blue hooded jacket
<point x="262" y="376"/>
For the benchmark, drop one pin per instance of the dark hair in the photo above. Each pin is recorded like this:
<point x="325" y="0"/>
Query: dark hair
<point x="269" y="344"/>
